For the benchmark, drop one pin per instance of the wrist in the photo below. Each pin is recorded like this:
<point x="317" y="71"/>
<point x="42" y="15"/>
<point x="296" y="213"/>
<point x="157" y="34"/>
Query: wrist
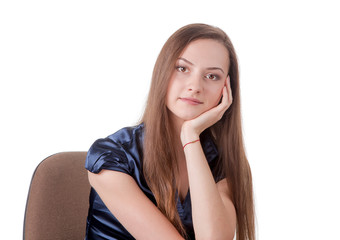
<point x="188" y="134"/>
<point x="195" y="141"/>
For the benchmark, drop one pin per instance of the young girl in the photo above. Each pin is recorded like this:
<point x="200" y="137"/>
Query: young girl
<point x="182" y="173"/>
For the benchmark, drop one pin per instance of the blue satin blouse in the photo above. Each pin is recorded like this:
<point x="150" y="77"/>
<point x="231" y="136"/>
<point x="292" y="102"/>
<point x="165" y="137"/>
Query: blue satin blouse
<point x="123" y="152"/>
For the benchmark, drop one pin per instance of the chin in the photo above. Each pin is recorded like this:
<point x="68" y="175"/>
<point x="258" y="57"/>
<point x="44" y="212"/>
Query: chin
<point x="187" y="117"/>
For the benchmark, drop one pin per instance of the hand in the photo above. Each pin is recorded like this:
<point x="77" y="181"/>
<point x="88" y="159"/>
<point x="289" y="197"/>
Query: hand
<point x="193" y="128"/>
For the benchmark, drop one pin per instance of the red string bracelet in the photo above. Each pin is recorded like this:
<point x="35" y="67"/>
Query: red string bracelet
<point x="190" y="143"/>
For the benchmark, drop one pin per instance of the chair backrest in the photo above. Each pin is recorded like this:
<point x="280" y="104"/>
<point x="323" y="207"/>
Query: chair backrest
<point x="58" y="198"/>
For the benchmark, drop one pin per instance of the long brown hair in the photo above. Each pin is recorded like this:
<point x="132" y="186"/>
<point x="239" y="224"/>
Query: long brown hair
<point x="159" y="167"/>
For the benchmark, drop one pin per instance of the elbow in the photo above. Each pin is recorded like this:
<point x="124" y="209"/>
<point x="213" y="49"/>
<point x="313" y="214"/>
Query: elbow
<point x="217" y="236"/>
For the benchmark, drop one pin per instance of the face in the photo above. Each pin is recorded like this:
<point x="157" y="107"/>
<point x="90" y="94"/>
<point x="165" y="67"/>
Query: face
<point x="198" y="79"/>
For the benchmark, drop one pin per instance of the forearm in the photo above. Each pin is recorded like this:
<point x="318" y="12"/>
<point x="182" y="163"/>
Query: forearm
<point x="211" y="218"/>
<point x="131" y="207"/>
<point x="214" y="215"/>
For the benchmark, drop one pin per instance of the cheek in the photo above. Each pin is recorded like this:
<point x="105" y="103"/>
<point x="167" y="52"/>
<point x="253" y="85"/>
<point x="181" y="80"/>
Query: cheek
<point x="216" y="95"/>
<point x="170" y="88"/>
<point x="174" y="87"/>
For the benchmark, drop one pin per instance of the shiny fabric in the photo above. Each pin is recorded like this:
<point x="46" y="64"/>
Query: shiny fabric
<point x="123" y="152"/>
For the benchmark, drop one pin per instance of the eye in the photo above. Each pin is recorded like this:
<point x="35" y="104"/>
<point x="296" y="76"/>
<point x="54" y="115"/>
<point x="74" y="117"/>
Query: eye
<point x="212" y="77"/>
<point x="181" y="69"/>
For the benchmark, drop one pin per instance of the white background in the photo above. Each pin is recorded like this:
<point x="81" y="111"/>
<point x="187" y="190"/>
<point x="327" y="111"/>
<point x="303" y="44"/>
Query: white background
<point x="74" y="71"/>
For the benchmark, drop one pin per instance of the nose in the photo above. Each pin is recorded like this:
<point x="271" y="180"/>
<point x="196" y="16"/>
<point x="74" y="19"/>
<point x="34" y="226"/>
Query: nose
<point x="195" y="83"/>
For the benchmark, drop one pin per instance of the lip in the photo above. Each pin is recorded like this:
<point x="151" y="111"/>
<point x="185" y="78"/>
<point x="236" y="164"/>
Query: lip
<point x="192" y="101"/>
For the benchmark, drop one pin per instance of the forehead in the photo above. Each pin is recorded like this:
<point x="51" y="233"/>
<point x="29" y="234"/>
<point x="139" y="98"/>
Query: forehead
<point x="207" y="53"/>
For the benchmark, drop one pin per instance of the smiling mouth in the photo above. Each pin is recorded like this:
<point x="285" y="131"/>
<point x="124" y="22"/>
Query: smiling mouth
<point x="192" y="101"/>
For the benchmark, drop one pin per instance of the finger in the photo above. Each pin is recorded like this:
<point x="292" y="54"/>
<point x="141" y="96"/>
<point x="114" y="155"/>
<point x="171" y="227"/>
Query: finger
<point x="227" y="97"/>
<point x="230" y="94"/>
<point x="224" y="103"/>
<point x="223" y="106"/>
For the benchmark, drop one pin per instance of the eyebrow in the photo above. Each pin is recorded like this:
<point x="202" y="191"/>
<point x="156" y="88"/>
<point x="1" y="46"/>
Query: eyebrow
<point x="209" y="68"/>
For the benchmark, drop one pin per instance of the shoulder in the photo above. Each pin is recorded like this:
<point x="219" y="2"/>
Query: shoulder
<point x="114" y="150"/>
<point x="127" y="135"/>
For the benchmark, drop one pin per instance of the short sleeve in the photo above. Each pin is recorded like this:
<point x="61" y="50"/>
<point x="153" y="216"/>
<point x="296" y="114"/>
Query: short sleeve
<point x="106" y="154"/>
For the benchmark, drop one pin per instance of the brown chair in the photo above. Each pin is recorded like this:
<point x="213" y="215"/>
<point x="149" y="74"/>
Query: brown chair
<point x="58" y="198"/>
